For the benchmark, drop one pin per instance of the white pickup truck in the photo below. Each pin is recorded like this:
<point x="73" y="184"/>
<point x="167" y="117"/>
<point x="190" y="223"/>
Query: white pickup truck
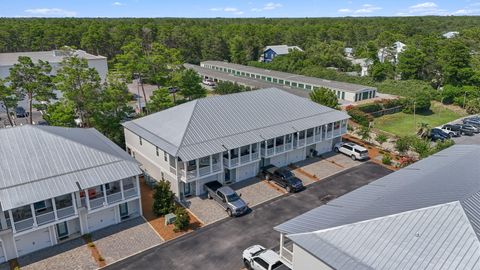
<point x="259" y="258"/>
<point x="352" y="150"/>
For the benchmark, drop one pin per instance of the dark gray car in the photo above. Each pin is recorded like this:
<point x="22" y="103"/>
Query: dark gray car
<point x="227" y="198"/>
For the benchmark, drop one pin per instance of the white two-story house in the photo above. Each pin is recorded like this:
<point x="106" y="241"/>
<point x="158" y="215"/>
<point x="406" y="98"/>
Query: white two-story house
<point x="59" y="183"/>
<point x="229" y="138"/>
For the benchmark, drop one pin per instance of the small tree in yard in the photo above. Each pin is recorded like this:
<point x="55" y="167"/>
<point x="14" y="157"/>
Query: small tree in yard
<point x="364" y="133"/>
<point x="182" y="219"/>
<point x="381" y="138"/>
<point x="403" y="144"/>
<point x="163" y="199"/>
<point x="423" y="130"/>
<point x="324" y="96"/>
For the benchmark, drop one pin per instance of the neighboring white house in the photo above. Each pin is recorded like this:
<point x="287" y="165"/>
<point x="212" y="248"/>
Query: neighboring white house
<point x="424" y="216"/>
<point x="59" y="183"/>
<point x="348" y="52"/>
<point x="449" y="35"/>
<point x="391" y="53"/>
<point x="364" y="64"/>
<point x="270" y="52"/>
<point x="55" y="57"/>
<point x="229" y="138"/>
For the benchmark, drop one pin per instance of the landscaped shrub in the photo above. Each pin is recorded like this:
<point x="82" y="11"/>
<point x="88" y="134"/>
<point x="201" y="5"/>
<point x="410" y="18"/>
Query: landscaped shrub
<point x="386" y="159"/>
<point x="403" y="144"/>
<point x="182" y="220"/>
<point x="370" y="107"/>
<point x="421" y="103"/>
<point x="422" y="147"/>
<point x="163" y="199"/>
<point x="390" y="103"/>
<point x="381" y="138"/>
<point x="360" y="117"/>
<point x="442" y="145"/>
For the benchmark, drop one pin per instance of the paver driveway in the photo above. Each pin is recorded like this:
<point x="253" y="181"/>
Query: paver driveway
<point x="219" y="246"/>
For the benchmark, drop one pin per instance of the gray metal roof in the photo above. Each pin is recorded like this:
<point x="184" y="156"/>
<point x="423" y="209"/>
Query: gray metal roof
<point x="282" y="49"/>
<point x="9" y="59"/>
<point x="245" y="81"/>
<point x="447" y="176"/>
<point x="334" y="85"/>
<point x="437" y="237"/>
<point x="211" y="125"/>
<point x="41" y="162"/>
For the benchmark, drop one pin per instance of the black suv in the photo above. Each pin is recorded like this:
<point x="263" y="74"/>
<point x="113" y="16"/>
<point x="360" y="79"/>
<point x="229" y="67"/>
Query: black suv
<point x="283" y="177"/>
<point x="437" y="134"/>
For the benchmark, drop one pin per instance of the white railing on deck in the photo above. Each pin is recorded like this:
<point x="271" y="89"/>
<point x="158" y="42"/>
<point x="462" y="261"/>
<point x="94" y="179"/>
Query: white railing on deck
<point x="45" y="218"/>
<point x="65" y="212"/>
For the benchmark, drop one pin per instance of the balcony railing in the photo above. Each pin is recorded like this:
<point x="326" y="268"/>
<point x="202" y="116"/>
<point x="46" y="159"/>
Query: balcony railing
<point x="65" y="212"/>
<point x="24" y="225"/>
<point x="115" y="197"/>
<point x="280" y="148"/>
<point x="97" y="203"/>
<point x="288" y="146"/>
<point x="245" y="158"/>
<point x="204" y="170"/>
<point x="216" y="167"/>
<point x="173" y="170"/>
<point x="317" y="138"/>
<point x="255" y="156"/>
<point x="287" y="257"/>
<point x="269" y="151"/>
<point x="310" y="140"/>
<point x="336" y="132"/>
<point x="234" y="162"/>
<point x="45" y="218"/>
<point x="301" y="142"/>
<point x="129" y="193"/>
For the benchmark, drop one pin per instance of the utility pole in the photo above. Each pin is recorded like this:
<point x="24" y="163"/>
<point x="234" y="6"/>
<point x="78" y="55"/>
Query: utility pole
<point x="414" y="117"/>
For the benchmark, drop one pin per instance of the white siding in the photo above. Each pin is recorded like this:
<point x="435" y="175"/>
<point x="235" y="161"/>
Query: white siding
<point x="280" y="160"/>
<point x="303" y="260"/>
<point x="247" y="171"/>
<point x="324" y="147"/>
<point x="296" y="155"/>
<point x="33" y="241"/>
<point x="2" y="253"/>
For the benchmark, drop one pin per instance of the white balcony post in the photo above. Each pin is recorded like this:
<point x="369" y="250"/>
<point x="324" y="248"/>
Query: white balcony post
<point x="314" y="133"/>
<point x="12" y="222"/>
<point x="121" y="189"/>
<point x="284" y="141"/>
<point x="32" y="208"/>
<point x="281" y="245"/>
<point x="250" y="152"/>
<point x="185" y="169"/>
<point x="74" y="203"/>
<point x="291" y="142"/>
<point x="211" y="164"/>
<point x="229" y="158"/>
<point x="176" y="167"/>
<point x="137" y="180"/>
<point x="197" y="164"/>
<point x="54" y="209"/>
<point x="239" y="154"/>
<point x="266" y="147"/>
<point x="3" y="220"/>
<point x="298" y="139"/>
<point x="275" y="145"/>
<point x="105" y="194"/>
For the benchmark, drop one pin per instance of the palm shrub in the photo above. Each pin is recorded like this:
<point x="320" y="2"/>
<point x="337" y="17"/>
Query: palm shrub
<point x="403" y="144"/>
<point x="387" y="159"/>
<point x="163" y="198"/>
<point x="182" y="219"/>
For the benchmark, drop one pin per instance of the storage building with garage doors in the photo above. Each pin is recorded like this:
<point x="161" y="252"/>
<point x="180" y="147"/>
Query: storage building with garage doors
<point x="230" y="138"/>
<point x="60" y="183"/>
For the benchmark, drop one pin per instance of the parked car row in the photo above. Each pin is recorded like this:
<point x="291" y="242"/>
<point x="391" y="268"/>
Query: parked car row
<point x="469" y="127"/>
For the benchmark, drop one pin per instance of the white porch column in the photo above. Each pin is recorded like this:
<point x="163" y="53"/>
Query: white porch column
<point x="198" y="167"/>
<point x="211" y="164"/>
<point x="275" y="145"/>
<point x="266" y="147"/>
<point x="87" y="199"/>
<point x="32" y="208"/>
<point x="12" y="222"/>
<point x="3" y="220"/>
<point x="314" y="133"/>
<point x="291" y="142"/>
<point x="105" y="201"/>
<point x="185" y="170"/>
<point x="121" y="189"/>
<point x="250" y="151"/>
<point x="75" y="206"/>
<point x="284" y="141"/>
<point x="298" y="139"/>
<point x="229" y="158"/>
<point x="54" y="205"/>
<point x="239" y="154"/>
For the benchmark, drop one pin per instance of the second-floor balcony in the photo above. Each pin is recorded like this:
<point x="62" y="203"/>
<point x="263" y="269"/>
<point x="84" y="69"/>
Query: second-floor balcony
<point x="110" y="193"/>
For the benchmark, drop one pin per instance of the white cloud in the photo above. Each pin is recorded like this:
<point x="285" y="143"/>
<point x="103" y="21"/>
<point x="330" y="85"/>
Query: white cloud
<point x="233" y="10"/>
<point x="364" y="9"/>
<point x="118" y="4"/>
<point x="50" y="12"/>
<point x="426" y="5"/>
<point x="268" y="6"/>
<point x="426" y="8"/>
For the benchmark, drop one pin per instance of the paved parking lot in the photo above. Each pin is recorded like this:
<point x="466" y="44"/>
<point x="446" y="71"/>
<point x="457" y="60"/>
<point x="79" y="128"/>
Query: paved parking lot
<point x="219" y="246"/>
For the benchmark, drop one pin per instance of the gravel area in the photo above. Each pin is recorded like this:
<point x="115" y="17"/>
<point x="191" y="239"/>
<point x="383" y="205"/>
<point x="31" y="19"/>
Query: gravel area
<point x="206" y="210"/>
<point x="125" y="239"/>
<point x="256" y="191"/>
<point x="323" y="167"/>
<point x="73" y="254"/>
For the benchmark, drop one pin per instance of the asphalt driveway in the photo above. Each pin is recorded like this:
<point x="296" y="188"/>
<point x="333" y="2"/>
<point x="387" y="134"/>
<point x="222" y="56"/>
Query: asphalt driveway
<point x="222" y="243"/>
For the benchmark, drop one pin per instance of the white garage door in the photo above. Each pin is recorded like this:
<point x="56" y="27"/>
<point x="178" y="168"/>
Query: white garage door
<point x="2" y="252"/>
<point x="279" y="161"/>
<point x="247" y="171"/>
<point x="33" y="241"/>
<point x="324" y="147"/>
<point x="101" y="219"/>
<point x="296" y="156"/>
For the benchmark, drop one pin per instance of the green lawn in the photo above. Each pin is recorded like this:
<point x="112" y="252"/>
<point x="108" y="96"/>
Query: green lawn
<point x="403" y="124"/>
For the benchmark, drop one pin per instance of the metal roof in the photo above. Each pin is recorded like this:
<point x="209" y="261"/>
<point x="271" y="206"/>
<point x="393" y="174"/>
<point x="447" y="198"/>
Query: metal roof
<point x="282" y="49"/>
<point x="437" y="237"/>
<point x="334" y="85"/>
<point x="42" y="162"/>
<point x="246" y="81"/>
<point x="447" y="176"/>
<point x="211" y="125"/>
<point x="9" y="59"/>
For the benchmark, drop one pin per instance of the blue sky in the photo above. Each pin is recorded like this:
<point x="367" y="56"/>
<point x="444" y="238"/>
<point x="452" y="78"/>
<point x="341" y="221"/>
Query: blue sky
<point x="235" y="8"/>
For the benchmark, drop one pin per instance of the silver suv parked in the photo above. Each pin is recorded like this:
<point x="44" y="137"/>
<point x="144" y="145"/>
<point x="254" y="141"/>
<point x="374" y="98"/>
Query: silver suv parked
<point x="355" y="151"/>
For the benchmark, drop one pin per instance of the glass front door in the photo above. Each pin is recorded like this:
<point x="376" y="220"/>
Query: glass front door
<point x="62" y="230"/>
<point x="187" y="189"/>
<point x="123" y="210"/>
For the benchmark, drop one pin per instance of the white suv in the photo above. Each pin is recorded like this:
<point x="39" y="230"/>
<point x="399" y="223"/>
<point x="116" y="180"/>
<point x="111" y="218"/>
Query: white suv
<point x="352" y="150"/>
<point x="208" y="82"/>
<point x="259" y="258"/>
